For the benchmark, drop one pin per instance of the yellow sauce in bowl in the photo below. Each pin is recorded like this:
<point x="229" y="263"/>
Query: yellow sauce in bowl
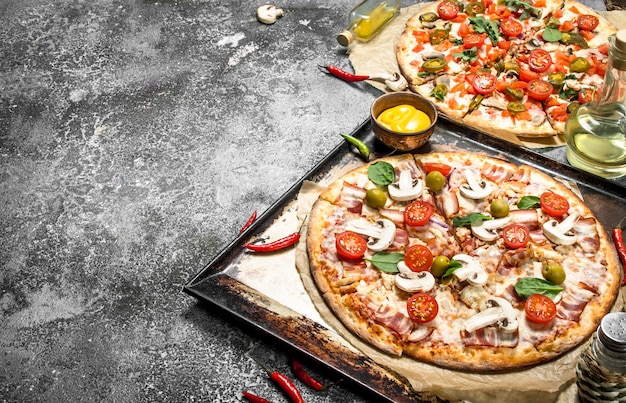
<point x="403" y="119"/>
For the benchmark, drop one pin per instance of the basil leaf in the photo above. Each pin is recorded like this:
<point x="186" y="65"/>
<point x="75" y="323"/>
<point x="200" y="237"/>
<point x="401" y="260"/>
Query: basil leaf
<point x="551" y="35"/>
<point x="471" y="218"/>
<point x="529" y="11"/>
<point x="528" y="202"/>
<point x="527" y="286"/>
<point x="454" y="264"/>
<point x="468" y="55"/>
<point x="381" y="173"/>
<point x="457" y="41"/>
<point x="386" y="261"/>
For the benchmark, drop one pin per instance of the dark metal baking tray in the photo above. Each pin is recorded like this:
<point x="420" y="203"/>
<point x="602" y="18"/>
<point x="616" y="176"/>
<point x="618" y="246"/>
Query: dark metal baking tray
<point x="221" y="291"/>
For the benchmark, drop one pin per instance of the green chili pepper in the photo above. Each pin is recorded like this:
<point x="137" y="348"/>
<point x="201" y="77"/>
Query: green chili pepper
<point x="514" y="93"/>
<point x="433" y="65"/>
<point x="579" y="65"/>
<point x="360" y="145"/>
<point x="515" y="107"/>
<point x="429" y="17"/>
<point x="474" y="7"/>
<point x="474" y="104"/>
<point x="438" y="35"/>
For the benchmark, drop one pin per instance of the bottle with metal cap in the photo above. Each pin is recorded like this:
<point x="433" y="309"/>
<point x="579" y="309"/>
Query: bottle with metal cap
<point x="601" y="369"/>
<point x="367" y="19"/>
<point x="596" y="132"/>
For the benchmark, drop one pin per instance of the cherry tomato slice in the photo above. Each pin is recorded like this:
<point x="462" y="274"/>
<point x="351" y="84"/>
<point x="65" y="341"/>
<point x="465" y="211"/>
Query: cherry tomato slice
<point x="586" y="95"/>
<point x="484" y="83"/>
<point x="540" y="309"/>
<point x="350" y="245"/>
<point x="539" y="60"/>
<point x="527" y="75"/>
<point x="553" y="204"/>
<point x="587" y="22"/>
<point x="539" y="90"/>
<point x="515" y="236"/>
<point x="418" y="258"/>
<point x="473" y="39"/>
<point x="447" y="10"/>
<point x="437" y="166"/>
<point x="417" y="213"/>
<point x="422" y="307"/>
<point x="511" y="27"/>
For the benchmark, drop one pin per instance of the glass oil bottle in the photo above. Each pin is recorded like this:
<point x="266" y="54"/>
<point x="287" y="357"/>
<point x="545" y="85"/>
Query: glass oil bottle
<point x="596" y="132"/>
<point x="367" y="19"/>
<point x="601" y="369"/>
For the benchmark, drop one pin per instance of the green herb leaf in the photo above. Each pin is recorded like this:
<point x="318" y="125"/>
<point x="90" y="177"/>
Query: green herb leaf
<point x="381" y="173"/>
<point x="528" y="10"/>
<point x="387" y="261"/>
<point x="568" y="93"/>
<point x="551" y="35"/>
<point x="471" y="218"/>
<point x="468" y="55"/>
<point x="423" y="74"/>
<point x="454" y="264"/>
<point x="457" y="41"/>
<point x="528" y="202"/>
<point x="527" y="286"/>
<point x="485" y="25"/>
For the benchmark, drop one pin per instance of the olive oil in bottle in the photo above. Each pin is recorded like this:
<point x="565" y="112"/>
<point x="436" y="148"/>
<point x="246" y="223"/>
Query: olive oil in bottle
<point x="596" y="132"/>
<point x="367" y="19"/>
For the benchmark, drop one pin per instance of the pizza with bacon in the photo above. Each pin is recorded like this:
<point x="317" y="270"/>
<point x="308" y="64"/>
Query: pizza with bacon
<point x="461" y="260"/>
<point x="516" y="66"/>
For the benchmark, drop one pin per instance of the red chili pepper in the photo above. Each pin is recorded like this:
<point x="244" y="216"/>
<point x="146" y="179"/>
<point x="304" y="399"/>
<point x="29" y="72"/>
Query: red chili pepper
<point x="284" y="382"/>
<point x="279" y="244"/>
<point x="254" y="398"/>
<point x="618" y="240"/>
<point x="308" y="380"/>
<point x="344" y="75"/>
<point x="249" y="222"/>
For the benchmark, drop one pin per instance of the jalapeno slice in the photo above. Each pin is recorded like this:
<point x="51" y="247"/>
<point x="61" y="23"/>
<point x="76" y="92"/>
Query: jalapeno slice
<point x="438" y="35"/>
<point x="579" y="65"/>
<point x="514" y="93"/>
<point x="434" y="65"/>
<point x="553" y="22"/>
<point x="429" y="17"/>
<point x="474" y="7"/>
<point x="439" y="92"/>
<point x="556" y="79"/>
<point x="573" y="38"/>
<point x="515" y="107"/>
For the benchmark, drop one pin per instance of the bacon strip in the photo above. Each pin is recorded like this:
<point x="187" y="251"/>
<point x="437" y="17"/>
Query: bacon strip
<point x="391" y="317"/>
<point x="351" y="197"/>
<point x="522" y="175"/>
<point x="588" y="239"/>
<point x="490" y="337"/>
<point x="573" y="303"/>
<point x="510" y="260"/>
<point x="495" y="173"/>
<point x="530" y="218"/>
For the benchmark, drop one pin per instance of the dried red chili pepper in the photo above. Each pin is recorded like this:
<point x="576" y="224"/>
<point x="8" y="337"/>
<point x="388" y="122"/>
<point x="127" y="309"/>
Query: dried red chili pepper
<point x="284" y="383"/>
<point x="279" y="244"/>
<point x="308" y="380"/>
<point x="618" y="240"/>
<point x="344" y="75"/>
<point x="252" y="398"/>
<point x="249" y="222"/>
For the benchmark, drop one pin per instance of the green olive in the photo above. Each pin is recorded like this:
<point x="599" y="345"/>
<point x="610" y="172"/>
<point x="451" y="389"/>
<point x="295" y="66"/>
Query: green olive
<point x="579" y="65"/>
<point x="440" y="265"/>
<point x="499" y="208"/>
<point x="435" y="181"/>
<point x="553" y="272"/>
<point x="375" y="198"/>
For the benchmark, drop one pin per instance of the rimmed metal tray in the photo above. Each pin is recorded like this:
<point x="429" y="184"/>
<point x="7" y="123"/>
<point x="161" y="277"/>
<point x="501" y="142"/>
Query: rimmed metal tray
<point x="217" y="286"/>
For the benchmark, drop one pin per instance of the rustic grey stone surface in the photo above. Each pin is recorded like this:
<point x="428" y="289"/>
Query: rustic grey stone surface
<point x="136" y="137"/>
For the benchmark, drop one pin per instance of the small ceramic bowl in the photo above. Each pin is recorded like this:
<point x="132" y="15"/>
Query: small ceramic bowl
<point x="398" y="140"/>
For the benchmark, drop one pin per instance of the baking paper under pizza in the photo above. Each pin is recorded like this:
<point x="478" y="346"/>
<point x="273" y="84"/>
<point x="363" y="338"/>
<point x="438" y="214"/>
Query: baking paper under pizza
<point x="461" y="260"/>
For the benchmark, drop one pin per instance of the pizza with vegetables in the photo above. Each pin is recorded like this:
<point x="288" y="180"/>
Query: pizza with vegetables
<point x="461" y="260"/>
<point x="518" y="66"/>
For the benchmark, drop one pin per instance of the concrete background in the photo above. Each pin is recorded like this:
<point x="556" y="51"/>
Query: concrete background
<point x="136" y="138"/>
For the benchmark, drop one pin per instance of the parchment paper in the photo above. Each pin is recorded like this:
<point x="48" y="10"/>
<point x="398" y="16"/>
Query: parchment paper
<point x="379" y="56"/>
<point x="552" y="382"/>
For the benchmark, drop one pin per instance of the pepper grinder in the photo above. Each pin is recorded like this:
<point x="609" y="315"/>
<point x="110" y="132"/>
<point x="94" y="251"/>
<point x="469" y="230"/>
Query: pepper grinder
<point x="601" y="369"/>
